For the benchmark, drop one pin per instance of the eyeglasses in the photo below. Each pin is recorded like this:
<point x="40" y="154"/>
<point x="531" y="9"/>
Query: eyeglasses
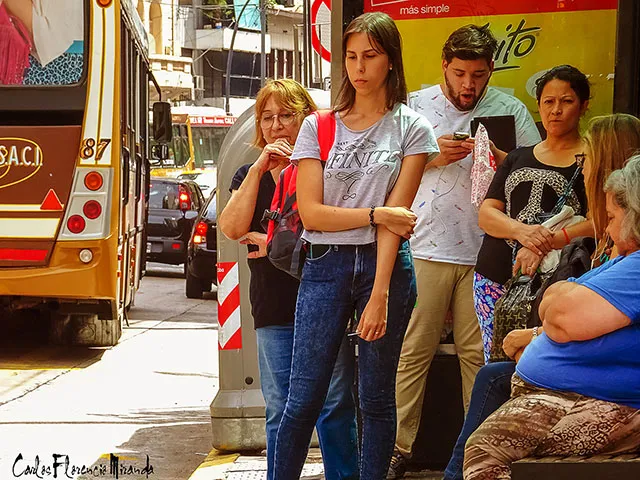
<point x="285" y="119"/>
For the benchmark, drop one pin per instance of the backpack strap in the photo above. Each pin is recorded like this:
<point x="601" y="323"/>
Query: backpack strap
<point x="326" y="131"/>
<point x="275" y="212"/>
<point x="288" y="178"/>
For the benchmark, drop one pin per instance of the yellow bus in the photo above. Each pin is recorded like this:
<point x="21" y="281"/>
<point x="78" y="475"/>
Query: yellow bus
<point x="198" y="132"/>
<point x="74" y="163"/>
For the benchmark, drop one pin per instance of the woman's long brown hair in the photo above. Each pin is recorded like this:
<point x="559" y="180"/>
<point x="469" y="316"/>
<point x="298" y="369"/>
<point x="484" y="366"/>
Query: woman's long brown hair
<point x="611" y="141"/>
<point x="385" y="37"/>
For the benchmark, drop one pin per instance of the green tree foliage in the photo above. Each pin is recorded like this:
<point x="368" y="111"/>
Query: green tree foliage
<point x="223" y="12"/>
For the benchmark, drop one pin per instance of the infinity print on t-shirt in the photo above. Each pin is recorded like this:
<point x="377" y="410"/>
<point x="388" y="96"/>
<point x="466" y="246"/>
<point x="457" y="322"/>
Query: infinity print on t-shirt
<point x="350" y="162"/>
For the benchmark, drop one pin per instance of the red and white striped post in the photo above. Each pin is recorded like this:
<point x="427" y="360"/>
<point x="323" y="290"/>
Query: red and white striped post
<point x="230" y="331"/>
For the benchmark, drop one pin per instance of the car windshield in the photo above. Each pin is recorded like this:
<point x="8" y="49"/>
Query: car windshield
<point x="207" y="181"/>
<point x="211" y="209"/>
<point x="164" y="195"/>
<point x="44" y="41"/>
<point x="188" y="176"/>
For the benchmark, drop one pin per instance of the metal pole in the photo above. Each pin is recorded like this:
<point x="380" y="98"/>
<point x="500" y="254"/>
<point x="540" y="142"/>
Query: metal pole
<point x="173" y="28"/>
<point x="263" y="42"/>
<point x="191" y="164"/>
<point x="319" y="55"/>
<point x="337" y="19"/>
<point x="297" y="68"/>
<point x="306" y="14"/>
<point x="626" y="87"/>
<point x="227" y="80"/>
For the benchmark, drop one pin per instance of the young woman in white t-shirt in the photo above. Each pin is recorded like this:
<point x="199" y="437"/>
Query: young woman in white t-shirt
<point x="355" y="209"/>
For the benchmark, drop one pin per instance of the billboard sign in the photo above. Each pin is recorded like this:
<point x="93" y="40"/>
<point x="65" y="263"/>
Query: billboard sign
<point x="533" y="36"/>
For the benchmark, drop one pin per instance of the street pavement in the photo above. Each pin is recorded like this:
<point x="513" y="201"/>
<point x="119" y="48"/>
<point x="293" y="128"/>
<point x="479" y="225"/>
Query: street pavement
<point x="225" y="466"/>
<point x="142" y="405"/>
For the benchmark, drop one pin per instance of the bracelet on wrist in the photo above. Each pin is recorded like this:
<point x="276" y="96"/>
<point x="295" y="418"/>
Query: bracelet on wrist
<point x="535" y="332"/>
<point x="566" y="236"/>
<point x="371" y="222"/>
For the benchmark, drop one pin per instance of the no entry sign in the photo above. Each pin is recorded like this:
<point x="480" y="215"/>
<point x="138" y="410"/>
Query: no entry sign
<point x="321" y="28"/>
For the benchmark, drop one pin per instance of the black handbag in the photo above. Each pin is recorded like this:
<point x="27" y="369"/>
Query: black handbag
<point x="518" y="307"/>
<point x="575" y="261"/>
<point x="513" y="311"/>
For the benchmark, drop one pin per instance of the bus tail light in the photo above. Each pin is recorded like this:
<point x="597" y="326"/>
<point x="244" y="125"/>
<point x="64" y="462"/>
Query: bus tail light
<point x="93" y="181"/>
<point x="76" y="224"/>
<point x="88" y="211"/>
<point x="200" y="235"/>
<point x="92" y="209"/>
<point x="23" y="255"/>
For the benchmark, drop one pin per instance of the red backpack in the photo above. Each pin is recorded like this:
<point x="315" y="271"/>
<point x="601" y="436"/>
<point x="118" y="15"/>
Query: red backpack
<point x="284" y="234"/>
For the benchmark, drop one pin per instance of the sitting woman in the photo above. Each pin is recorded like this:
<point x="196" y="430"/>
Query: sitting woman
<point x="576" y="386"/>
<point x="610" y="140"/>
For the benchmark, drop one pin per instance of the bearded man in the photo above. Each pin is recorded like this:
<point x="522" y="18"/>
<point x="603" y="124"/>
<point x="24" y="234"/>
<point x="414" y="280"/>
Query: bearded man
<point x="447" y="237"/>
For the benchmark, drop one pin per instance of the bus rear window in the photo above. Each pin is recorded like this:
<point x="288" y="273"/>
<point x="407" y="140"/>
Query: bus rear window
<point x="164" y="195"/>
<point x="42" y="42"/>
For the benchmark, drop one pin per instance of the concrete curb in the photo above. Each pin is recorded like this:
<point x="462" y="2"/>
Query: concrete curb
<point x="224" y="466"/>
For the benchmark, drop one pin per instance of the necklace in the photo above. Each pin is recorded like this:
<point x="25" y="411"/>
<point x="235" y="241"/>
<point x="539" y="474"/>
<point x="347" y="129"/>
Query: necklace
<point x="603" y="251"/>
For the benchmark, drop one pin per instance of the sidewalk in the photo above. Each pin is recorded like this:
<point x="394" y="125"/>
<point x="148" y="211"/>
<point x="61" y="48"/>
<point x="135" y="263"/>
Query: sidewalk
<point x="221" y="466"/>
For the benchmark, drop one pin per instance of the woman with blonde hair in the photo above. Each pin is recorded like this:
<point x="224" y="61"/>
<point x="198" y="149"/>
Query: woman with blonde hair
<point x="280" y="107"/>
<point x="611" y="139"/>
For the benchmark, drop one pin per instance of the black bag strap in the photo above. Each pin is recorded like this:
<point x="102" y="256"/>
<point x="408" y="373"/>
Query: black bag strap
<point x="562" y="200"/>
<point x="295" y="261"/>
<point x="288" y="203"/>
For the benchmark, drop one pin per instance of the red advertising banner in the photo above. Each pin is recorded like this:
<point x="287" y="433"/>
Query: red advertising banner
<point x="204" y="120"/>
<point x="414" y="9"/>
<point x="219" y="121"/>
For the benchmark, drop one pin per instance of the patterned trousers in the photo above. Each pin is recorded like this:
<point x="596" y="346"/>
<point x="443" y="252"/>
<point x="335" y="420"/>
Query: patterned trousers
<point x="486" y="294"/>
<point x="539" y="422"/>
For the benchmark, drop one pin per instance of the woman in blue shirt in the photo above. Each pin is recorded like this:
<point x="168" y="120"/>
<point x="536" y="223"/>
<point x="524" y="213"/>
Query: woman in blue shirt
<point x="576" y="390"/>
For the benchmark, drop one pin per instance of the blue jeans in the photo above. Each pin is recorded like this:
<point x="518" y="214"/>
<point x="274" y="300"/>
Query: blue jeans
<point x="491" y="389"/>
<point x="333" y="287"/>
<point x="336" y="426"/>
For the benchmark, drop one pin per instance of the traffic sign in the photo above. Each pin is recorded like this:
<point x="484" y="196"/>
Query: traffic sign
<point x="321" y="28"/>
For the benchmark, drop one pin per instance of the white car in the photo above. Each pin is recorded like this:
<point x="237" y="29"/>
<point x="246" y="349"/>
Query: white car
<point x="206" y="179"/>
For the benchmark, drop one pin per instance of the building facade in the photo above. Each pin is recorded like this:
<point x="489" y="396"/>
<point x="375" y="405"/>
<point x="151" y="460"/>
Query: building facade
<point x="165" y="25"/>
<point x="213" y="42"/>
<point x="190" y="42"/>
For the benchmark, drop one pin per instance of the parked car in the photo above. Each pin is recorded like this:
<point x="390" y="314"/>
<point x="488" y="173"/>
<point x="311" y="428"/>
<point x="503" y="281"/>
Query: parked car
<point x="173" y="207"/>
<point x="206" y="179"/>
<point x="202" y="251"/>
